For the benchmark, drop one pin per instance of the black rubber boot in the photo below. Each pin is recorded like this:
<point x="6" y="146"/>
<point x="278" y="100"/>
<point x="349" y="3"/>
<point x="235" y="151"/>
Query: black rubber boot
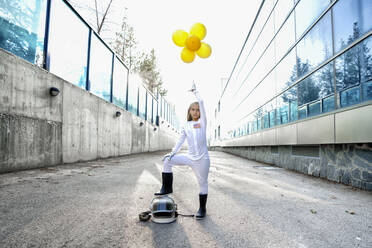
<point x="202" y="209"/>
<point x="166" y="188"/>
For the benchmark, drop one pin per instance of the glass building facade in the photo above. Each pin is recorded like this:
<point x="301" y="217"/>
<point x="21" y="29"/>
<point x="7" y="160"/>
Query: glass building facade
<point x="52" y="35"/>
<point x="303" y="58"/>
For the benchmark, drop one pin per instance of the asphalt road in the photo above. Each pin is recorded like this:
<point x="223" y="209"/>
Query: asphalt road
<point x="250" y="204"/>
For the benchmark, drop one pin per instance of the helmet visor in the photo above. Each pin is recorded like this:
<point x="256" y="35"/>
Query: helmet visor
<point x="163" y="214"/>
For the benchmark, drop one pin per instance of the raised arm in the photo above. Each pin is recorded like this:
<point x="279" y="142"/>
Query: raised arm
<point x="203" y="116"/>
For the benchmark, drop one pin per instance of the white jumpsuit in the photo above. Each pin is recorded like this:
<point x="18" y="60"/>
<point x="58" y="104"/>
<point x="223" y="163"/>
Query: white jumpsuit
<point x="198" y="157"/>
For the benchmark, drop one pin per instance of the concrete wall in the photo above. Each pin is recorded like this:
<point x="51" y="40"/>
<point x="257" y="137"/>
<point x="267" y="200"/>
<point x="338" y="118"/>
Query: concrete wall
<point x="37" y="130"/>
<point x="350" y="164"/>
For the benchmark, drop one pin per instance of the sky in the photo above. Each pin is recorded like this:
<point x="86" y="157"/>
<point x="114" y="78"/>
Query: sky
<point x="227" y="24"/>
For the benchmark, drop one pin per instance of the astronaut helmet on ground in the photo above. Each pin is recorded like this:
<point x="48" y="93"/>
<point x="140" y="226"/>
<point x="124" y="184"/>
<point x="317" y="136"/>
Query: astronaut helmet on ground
<point x="163" y="209"/>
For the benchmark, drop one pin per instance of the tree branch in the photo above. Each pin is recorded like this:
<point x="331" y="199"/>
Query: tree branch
<point x="104" y="16"/>
<point x="95" y="3"/>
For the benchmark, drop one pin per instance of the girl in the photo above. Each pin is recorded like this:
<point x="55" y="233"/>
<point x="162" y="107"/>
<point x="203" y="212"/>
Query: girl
<point x="198" y="158"/>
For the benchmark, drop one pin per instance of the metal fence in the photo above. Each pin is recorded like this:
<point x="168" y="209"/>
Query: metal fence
<point x="52" y="35"/>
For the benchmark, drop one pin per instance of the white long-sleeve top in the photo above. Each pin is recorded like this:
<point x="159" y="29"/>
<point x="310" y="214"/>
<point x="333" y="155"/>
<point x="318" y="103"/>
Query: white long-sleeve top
<point x="196" y="135"/>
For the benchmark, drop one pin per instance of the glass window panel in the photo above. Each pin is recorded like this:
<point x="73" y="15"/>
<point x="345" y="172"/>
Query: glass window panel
<point x="242" y="67"/>
<point x="247" y="130"/>
<point x="315" y="47"/>
<point x="289" y="97"/>
<point x="302" y="112"/>
<point x="248" y="105"/>
<point x="352" y="19"/>
<point x="149" y="107"/>
<point x="249" y="56"/>
<point x="237" y="99"/>
<point x="154" y="110"/>
<point x="266" y="120"/>
<point x="367" y="59"/>
<point x="328" y="104"/>
<point x="285" y="38"/>
<point x="286" y="72"/>
<point x="23" y="28"/>
<point x="314" y="108"/>
<point x="259" y="71"/>
<point x="267" y="88"/>
<point x="168" y="113"/>
<point x="255" y="55"/>
<point x="161" y="107"/>
<point x="282" y="112"/>
<point x="366" y="9"/>
<point x="270" y="112"/>
<point x="268" y="59"/>
<point x="254" y="126"/>
<point x="317" y="85"/>
<point x="119" y="84"/>
<point x="68" y="45"/>
<point x="259" y="126"/>
<point x="100" y="68"/>
<point x="350" y="96"/>
<point x="324" y="78"/>
<point x="133" y="83"/>
<point x="367" y="91"/>
<point x="242" y="94"/>
<point x="272" y="118"/>
<point x="142" y="102"/>
<point x="263" y="92"/>
<point x="354" y="66"/>
<point x="266" y="36"/>
<point x="250" y="128"/>
<point x="165" y="110"/>
<point x="264" y="14"/>
<point x="307" y="11"/>
<point x="293" y="110"/>
<point x="281" y="11"/>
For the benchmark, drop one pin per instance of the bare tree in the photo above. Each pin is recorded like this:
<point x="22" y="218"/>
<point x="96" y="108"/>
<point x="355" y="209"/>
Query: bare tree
<point x="125" y="44"/>
<point x="101" y="22"/>
<point x="149" y="73"/>
<point x="101" y="12"/>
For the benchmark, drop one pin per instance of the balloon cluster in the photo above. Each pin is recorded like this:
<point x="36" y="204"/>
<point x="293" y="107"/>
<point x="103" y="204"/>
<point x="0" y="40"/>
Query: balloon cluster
<point x="192" y="43"/>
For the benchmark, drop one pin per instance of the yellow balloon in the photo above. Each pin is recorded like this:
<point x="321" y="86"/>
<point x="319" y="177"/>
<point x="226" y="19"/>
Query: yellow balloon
<point x="187" y="56"/>
<point x="193" y="43"/>
<point x="198" y="30"/>
<point x="204" y="51"/>
<point x="179" y="37"/>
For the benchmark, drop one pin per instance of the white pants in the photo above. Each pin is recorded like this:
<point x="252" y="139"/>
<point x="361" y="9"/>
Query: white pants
<point x="200" y="168"/>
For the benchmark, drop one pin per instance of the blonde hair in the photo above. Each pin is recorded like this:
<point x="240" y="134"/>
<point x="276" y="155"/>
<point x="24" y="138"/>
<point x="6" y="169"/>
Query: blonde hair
<point x="189" y="117"/>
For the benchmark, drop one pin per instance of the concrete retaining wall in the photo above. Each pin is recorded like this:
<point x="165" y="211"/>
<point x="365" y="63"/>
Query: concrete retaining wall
<point x="350" y="164"/>
<point x="37" y="130"/>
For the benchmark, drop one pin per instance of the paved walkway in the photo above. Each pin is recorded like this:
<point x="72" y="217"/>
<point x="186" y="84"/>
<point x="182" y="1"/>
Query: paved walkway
<point x="96" y="204"/>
